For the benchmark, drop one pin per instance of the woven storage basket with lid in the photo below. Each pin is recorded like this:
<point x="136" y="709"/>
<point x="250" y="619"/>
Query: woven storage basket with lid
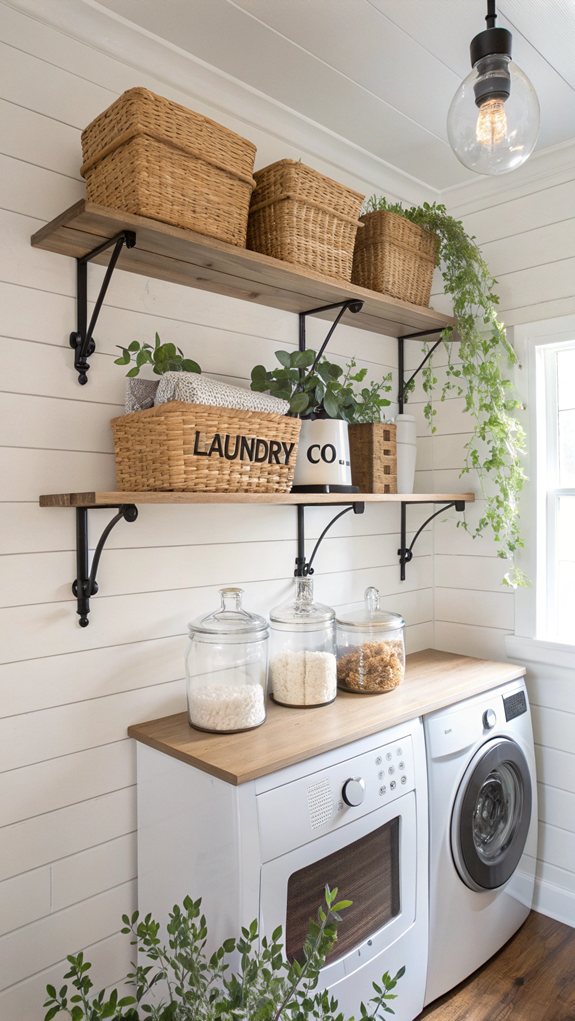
<point x="373" y="450"/>
<point x="199" y="448"/>
<point x="395" y="256"/>
<point x="300" y="216"/>
<point x="149" y="156"/>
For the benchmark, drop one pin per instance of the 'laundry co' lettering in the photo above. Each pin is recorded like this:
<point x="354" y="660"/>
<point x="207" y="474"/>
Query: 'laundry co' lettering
<point x="243" y="448"/>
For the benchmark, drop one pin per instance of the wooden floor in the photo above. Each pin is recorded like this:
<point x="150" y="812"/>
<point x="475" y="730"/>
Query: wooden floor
<point x="531" y="979"/>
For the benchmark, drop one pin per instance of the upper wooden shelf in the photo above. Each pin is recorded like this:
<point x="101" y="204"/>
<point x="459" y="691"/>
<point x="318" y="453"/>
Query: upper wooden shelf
<point x="115" y="498"/>
<point x="184" y="257"/>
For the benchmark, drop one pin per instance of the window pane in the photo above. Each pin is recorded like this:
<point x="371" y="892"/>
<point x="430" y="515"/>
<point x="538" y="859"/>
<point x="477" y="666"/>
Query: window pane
<point x="566" y="449"/>
<point x="365" y="872"/>
<point x="564" y="625"/>
<point x="566" y="378"/>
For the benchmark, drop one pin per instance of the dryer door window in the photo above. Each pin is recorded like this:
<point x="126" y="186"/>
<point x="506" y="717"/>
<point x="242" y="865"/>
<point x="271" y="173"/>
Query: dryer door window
<point x="491" y="815"/>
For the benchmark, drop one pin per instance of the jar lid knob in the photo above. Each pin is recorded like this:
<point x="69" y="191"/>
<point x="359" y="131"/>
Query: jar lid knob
<point x="372" y="599"/>
<point x="231" y="598"/>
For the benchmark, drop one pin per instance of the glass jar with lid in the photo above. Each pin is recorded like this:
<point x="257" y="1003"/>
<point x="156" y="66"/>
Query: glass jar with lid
<point x="370" y="648"/>
<point x="302" y="653"/>
<point x="226" y="667"/>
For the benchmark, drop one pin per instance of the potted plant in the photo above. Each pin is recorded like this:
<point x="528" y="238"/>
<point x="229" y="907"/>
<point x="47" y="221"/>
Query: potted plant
<point x="188" y="984"/>
<point x="480" y="376"/>
<point x="327" y="398"/>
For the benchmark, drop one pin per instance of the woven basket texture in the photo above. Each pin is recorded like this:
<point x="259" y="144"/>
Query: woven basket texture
<point x="155" y="450"/>
<point x="373" y="449"/>
<point x="300" y="216"/>
<point x="149" y="156"/>
<point x="395" y="256"/>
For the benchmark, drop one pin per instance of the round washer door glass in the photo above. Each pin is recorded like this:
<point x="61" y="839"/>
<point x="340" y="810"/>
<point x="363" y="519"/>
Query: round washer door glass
<point x="491" y="815"/>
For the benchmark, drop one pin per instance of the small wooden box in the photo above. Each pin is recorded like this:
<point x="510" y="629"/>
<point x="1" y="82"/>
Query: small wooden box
<point x="373" y="449"/>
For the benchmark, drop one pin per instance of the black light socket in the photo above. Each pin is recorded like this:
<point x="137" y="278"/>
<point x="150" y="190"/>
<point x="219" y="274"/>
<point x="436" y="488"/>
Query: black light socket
<point x="489" y="42"/>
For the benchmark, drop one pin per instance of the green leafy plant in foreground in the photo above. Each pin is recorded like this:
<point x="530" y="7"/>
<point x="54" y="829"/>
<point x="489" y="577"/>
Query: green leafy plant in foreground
<point x="318" y="388"/>
<point x="495" y="448"/>
<point x="162" y="358"/>
<point x="197" y="986"/>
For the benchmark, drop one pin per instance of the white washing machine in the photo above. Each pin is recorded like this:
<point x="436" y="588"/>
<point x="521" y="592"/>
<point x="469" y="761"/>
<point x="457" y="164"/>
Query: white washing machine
<point x="483" y="830"/>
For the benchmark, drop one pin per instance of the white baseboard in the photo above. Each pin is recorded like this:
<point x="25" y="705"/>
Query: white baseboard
<point x="555" y="902"/>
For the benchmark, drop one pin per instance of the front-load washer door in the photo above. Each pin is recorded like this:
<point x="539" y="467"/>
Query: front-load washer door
<point x="491" y="815"/>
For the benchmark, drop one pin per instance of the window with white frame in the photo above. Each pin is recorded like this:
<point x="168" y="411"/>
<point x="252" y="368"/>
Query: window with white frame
<point x="555" y="595"/>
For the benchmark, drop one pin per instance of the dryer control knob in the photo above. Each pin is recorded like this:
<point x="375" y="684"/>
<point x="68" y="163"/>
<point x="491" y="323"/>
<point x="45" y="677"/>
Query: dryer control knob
<point x="353" y="791"/>
<point x="489" y="719"/>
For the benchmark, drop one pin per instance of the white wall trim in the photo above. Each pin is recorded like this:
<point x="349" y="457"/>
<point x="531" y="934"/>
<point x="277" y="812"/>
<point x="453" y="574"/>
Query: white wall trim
<point x="554" y="901"/>
<point x="116" y="37"/>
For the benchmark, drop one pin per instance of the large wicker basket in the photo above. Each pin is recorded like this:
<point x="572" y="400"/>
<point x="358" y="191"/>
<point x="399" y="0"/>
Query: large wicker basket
<point x="149" y="156"/>
<point x="201" y="448"/>
<point x="373" y="450"/>
<point x="395" y="256"/>
<point x="300" y="216"/>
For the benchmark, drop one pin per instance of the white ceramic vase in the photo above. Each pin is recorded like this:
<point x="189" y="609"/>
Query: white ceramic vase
<point x="323" y="453"/>
<point x="406" y="452"/>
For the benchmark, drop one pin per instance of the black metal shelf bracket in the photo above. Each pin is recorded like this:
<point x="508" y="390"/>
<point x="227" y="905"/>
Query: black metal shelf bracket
<point x="405" y="384"/>
<point x="82" y="340"/>
<point x="350" y="304"/>
<point x="85" y="584"/>
<point x="303" y="567"/>
<point x="405" y="552"/>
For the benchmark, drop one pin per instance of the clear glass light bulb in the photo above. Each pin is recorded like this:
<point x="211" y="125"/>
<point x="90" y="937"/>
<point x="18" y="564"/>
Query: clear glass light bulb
<point x="499" y="135"/>
<point x="491" y="126"/>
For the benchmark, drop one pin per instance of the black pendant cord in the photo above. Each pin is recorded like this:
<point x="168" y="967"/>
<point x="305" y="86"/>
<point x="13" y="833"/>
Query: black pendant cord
<point x="405" y="552"/>
<point x="491" y="16"/>
<point x="82" y="340"/>
<point x="85" y="584"/>
<point x="303" y="567"/>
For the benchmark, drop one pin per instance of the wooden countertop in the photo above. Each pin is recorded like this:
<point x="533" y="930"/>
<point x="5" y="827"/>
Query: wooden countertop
<point x="432" y="680"/>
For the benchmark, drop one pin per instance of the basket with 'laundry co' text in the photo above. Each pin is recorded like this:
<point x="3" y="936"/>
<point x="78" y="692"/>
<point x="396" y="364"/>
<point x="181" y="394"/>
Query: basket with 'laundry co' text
<point x="200" y="448"/>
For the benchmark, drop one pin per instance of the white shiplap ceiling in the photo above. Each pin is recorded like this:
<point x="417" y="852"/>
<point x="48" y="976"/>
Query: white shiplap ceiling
<point x="380" y="73"/>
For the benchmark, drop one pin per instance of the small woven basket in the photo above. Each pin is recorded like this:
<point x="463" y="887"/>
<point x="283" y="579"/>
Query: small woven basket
<point x="395" y="256"/>
<point x="149" y="156"/>
<point x="300" y="216"/>
<point x="373" y="449"/>
<point x="199" y="448"/>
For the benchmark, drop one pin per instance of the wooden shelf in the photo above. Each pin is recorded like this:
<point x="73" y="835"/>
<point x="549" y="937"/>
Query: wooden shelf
<point x="114" y="499"/>
<point x="183" y="257"/>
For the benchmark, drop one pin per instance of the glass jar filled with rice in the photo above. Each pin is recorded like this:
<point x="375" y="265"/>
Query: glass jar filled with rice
<point x="302" y="650"/>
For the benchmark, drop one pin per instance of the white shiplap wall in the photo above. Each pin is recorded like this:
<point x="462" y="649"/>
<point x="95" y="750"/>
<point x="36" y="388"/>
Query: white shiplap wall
<point x="526" y="229"/>
<point x="67" y="796"/>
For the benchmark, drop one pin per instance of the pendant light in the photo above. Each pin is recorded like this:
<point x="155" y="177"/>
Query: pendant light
<point x="493" y="120"/>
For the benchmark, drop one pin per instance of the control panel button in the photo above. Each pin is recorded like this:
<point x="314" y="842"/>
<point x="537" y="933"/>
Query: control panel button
<point x="381" y="774"/>
<point x="489" y="719"/>
<point x="401" y="765"/>
<point x="378" y="760"/>
<point x="391" y="770"/>
<point x="389" y="756"/>
<point x="383" y="790"/>
<point x="404" y="779"/>
<point x="393" y="785"/>
<point x="353" y="791"/>
<point x="399" y="750"/>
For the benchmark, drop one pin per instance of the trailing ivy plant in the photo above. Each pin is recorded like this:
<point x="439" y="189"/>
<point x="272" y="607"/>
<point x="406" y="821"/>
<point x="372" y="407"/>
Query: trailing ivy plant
<point x="191" y="985"/>
<point x="162" y="358"/>
<point x="495" y="448"/>
<point x="326" y="390"/>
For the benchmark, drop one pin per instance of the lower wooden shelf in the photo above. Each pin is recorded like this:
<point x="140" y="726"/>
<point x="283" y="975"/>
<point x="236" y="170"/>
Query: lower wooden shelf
<point x="116" y="498"/>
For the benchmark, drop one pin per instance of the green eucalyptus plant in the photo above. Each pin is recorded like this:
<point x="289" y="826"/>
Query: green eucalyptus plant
<point x="162" y="358"/>
<point x="197" y="986"/>
<point x="497" y="443"/>
<point x="325" y="390"/>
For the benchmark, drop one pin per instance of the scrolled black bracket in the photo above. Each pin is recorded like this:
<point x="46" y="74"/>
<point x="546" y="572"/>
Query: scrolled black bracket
<point x="85" y="584"/>
<point x="350" y="304"/>
<point x="303" y="567"/>
<point x="82" y="340"/>
<point x="405" y="552"/>
<point x="405" y="384"/>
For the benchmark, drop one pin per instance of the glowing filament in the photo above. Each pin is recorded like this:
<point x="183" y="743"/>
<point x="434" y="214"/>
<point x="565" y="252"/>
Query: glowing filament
<point x="491" y="127"/>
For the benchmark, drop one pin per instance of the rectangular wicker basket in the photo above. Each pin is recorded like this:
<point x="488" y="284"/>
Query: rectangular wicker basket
<point x="152" y="157"/>
<point x="373" y="449"/>
<point x="395" y="256"/>
<point x="199" y="448"/>
<point x="300" y="216"/>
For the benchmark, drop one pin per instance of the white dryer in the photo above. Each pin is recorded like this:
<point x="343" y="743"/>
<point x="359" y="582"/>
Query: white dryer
<point x="482" y="832"/>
